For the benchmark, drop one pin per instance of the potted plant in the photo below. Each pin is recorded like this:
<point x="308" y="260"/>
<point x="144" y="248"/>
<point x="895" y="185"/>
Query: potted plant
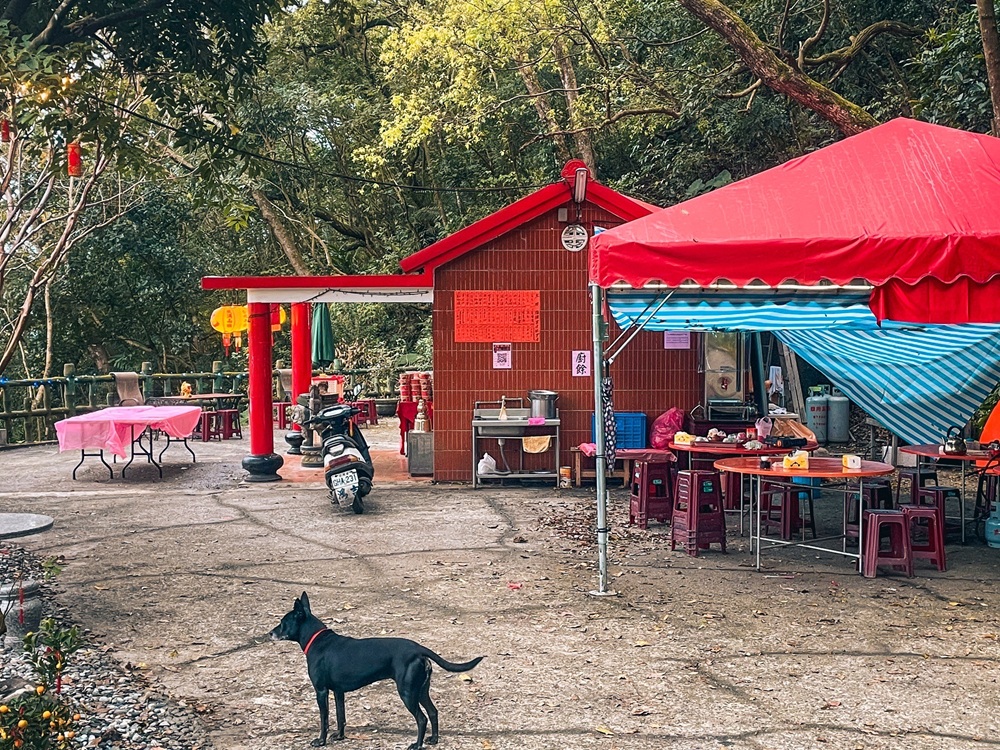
<point x="21" y="576"/>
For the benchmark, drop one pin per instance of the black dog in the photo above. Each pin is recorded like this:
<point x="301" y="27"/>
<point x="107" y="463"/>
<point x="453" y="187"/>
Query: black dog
<point x="343" y="664"/>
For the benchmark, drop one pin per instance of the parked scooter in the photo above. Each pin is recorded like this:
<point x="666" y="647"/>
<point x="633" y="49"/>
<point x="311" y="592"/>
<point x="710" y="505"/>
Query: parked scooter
<point x="348" y="468"/>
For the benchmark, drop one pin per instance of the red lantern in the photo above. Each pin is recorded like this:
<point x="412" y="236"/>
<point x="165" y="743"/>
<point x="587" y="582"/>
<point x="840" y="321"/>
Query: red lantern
<point x="74" y="164"/>
<point x="278" y="317"/>
<point x="5" y="130"/>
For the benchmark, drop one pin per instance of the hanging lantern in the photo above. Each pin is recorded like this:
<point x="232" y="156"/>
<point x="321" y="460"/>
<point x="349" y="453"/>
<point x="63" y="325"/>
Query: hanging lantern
<point x="229" y="320"/>
<point x="5" y="130"/>
<point x="278" y="317"/>
<point x="74" y="164"/>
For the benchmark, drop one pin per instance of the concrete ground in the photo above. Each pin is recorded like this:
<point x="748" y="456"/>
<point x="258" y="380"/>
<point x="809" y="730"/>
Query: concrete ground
<point x="183" y="577"/>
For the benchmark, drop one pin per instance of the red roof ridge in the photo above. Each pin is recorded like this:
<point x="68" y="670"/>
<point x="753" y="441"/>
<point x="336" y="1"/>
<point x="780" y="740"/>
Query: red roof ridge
<point x="521" y="211"/>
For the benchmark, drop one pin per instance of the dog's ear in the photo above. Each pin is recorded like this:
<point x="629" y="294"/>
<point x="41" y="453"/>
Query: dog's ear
<point x="305" y="603"/>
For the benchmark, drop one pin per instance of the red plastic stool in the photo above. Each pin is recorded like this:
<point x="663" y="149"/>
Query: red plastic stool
<point x="651" y="493"/>
<point x="732" y="490"/>
<point x="210" y="426"/>
<point x="933" y="549"/>
<point x="878" y="495"/>
<point x="937" y="497"/>
<point x="899" y="554"/>
<point x="698" y="518"/>
<point x="229" y="423"/>
<point x="281" y="413"/>
<point x="917" y="478"/>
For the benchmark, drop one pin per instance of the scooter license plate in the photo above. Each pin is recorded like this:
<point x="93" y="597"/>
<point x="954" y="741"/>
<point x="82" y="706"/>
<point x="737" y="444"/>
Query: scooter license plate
<point x="347" y="479"/>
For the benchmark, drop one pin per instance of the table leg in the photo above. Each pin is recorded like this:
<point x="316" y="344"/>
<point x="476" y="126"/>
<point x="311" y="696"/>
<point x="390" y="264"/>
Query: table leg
<point x="760" y="503"/>
<point x="194" y="458"/>
<point x="576" y="469"/>
<point x="961" y="504"/>
<point x="99" y="454"/>
<point x="861" y="523"/>
<point x="147" y="453"/>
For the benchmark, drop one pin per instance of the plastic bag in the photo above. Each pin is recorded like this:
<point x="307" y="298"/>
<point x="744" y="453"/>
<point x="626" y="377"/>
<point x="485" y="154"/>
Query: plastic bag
<point x="665" y="427"/>
<point x="487" y="465"/>
<point x="764" y="425"/>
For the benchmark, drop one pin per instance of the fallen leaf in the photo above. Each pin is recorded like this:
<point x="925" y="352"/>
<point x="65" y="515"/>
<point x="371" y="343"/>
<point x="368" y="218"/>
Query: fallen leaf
<point x="640" y="644"/>
<point x="831" y="704"/>
<point x="514" y="585"/>
<point x="604" y="729"/>
<point x="99" y="587"/>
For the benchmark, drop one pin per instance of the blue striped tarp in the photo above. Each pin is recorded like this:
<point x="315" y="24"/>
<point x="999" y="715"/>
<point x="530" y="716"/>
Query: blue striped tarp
<point x="750" y="311"/>
<point x="916" y="383"/>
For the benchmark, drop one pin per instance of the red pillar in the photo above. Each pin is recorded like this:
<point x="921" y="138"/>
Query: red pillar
<point x="301" y="365"/>
<point x="263" y="463"/>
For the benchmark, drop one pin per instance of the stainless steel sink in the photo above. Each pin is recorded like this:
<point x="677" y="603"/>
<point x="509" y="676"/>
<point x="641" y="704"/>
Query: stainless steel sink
<point x="487" y="422"/>
<point x="496" y="428"/>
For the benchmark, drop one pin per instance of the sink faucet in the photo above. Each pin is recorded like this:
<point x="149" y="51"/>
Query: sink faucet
<point x="503" y="409"/>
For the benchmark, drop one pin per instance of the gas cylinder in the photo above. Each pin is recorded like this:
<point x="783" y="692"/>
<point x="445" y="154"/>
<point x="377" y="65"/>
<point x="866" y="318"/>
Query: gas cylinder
<point x="838" y="417"/>
<point x="993" y="527"/>
<point x="817" y="410"/>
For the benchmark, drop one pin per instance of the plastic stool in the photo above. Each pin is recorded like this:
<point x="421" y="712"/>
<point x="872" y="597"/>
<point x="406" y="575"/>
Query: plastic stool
<point x="878" y="495"/>
<point x="651" y="493"/>
<point x="229" y="423"/>
<point x="281" y="413"/>
<point x="899" y="554"/>
<point x="782" y="510"/>
<point x="916" y="479"/>
<point x="732" y="490"/>
<point x="210" y="426"/>
<point x="933" y="549"/>
<point x="938" y="496"/>
<point x="698" y="518"/>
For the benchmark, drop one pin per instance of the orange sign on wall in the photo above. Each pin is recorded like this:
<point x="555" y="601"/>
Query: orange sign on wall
<point x="493" y="316"/>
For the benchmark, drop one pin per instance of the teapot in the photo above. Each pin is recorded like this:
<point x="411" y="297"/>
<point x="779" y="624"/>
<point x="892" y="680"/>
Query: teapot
<point x="954" y="445"/>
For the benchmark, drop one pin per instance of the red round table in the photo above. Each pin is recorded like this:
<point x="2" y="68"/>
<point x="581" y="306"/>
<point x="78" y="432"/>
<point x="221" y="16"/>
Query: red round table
<point x="932" y="450"/>
<point x="708" y="451"/>
<point x="824" y="468"/>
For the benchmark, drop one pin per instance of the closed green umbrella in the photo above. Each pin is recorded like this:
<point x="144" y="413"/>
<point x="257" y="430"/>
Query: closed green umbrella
<point x="322" y="336"/>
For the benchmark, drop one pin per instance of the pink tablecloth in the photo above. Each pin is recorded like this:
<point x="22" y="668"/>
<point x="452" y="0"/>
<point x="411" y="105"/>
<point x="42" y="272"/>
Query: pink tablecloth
<point x="113" y="429"/>
<point x="650" y="455"/>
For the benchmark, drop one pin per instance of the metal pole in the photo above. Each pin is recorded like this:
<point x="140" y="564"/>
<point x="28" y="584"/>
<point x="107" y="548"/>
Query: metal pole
<point x="600" y="461"/>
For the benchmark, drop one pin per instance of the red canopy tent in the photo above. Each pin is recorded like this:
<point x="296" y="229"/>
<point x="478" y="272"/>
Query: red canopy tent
<point x="911" y="208"/>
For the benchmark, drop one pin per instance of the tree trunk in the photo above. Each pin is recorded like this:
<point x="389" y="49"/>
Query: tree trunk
<point x="991" y="51"/>
<point x="280" y="231"/>
<point x="777" y="75"/>
<point x="581" y="138"/>
<point x="544" y="109"/>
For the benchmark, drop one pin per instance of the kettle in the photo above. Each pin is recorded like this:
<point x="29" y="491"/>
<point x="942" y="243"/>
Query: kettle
<point x="954" y="445"/>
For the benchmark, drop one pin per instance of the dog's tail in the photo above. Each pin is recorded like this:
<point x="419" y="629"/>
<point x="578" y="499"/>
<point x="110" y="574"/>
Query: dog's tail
<point x="464" y="666"/>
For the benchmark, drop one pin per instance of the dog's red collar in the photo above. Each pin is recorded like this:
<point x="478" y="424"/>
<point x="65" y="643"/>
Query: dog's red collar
<point x="316" y="635"/>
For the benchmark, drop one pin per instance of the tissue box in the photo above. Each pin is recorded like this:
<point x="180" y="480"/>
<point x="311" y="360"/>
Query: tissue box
<point x="683" y="438"/>
<point x="798" y="460"/>
<point x="851" y="461"/>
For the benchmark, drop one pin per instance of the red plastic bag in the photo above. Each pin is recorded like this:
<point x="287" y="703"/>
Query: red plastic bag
<point x="665" y="427"/>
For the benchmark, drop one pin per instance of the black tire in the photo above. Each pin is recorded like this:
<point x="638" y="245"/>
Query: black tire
<point x="358" y="506"/>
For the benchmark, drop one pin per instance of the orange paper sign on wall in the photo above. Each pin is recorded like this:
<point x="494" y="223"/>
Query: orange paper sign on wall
<point x="489" y="316"/>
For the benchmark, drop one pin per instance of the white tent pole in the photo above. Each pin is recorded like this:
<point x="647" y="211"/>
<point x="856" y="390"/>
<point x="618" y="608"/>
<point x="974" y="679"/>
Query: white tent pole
<point x="597" y="324"/>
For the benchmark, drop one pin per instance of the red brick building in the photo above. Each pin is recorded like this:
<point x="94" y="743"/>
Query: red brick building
<point x="519" y="251"/>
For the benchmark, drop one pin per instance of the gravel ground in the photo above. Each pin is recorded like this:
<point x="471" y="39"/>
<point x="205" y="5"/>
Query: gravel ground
<point x="178" y="582"/>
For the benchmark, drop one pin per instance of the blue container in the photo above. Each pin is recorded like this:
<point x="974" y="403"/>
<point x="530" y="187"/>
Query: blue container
<point x="631" y="429"/>
<point x="811" y="481"/>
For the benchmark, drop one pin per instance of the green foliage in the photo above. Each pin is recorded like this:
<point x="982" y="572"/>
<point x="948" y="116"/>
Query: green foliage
<point x="41" y="719"/>
<point x="949" y="74"/>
